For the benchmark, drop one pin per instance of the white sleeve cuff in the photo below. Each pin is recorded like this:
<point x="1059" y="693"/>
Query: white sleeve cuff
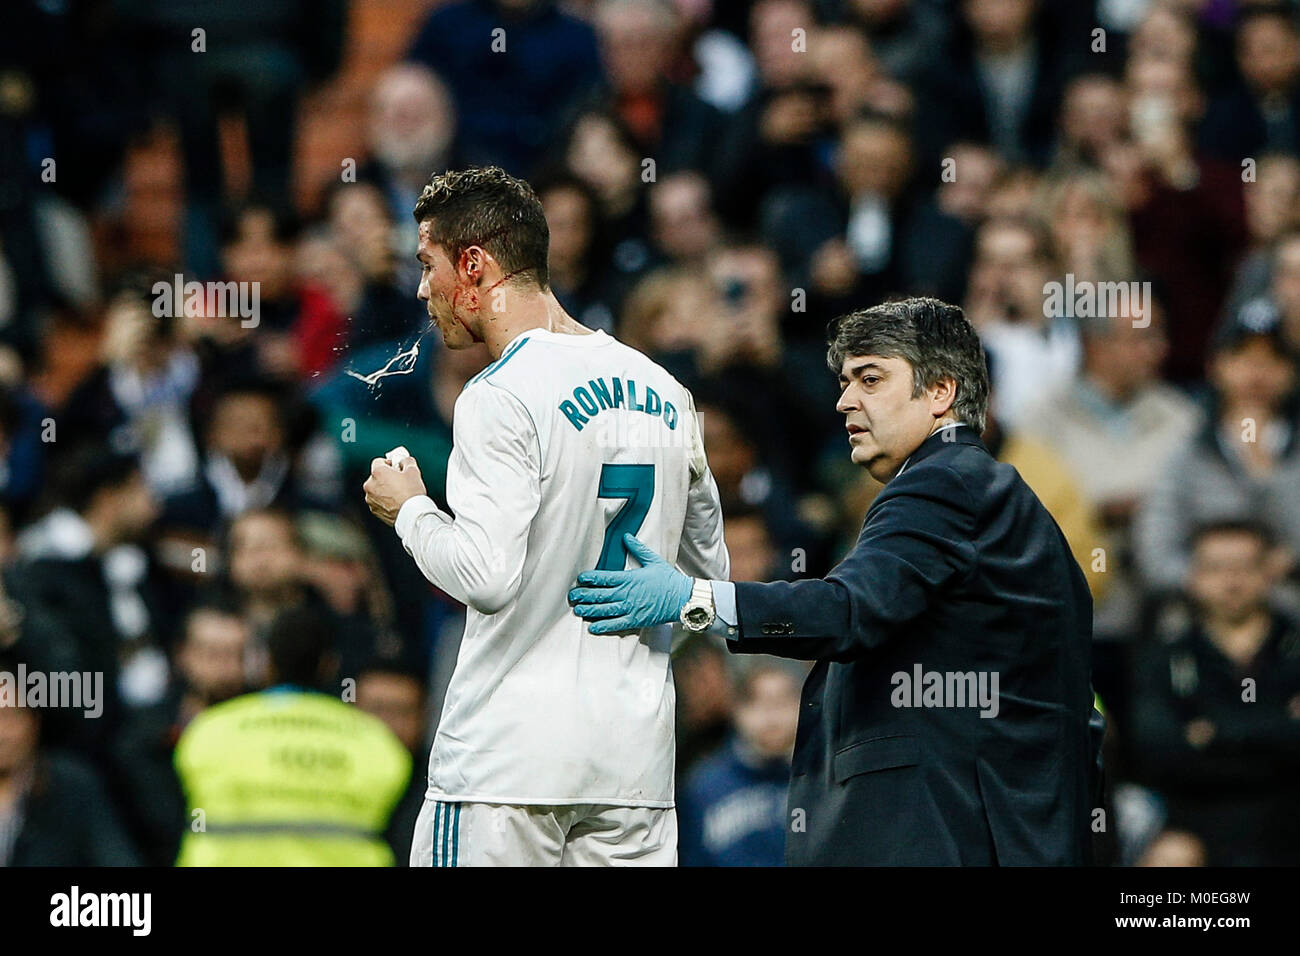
<point x="411" y="510"/>
<point x="725" y="619"/>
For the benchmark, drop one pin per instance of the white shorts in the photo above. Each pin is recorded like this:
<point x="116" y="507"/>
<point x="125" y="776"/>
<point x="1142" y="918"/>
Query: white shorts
<point x="487" y="834"/>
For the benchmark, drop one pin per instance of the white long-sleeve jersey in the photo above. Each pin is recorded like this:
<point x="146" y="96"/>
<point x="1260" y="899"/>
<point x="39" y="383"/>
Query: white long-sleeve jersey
<point x="561" y="446"/>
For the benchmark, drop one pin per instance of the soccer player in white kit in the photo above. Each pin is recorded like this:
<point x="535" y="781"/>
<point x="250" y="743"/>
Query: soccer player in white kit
<point x="555" y="747"/>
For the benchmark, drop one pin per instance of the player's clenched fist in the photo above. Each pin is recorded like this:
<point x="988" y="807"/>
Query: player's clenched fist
<point x="390" y="486"/>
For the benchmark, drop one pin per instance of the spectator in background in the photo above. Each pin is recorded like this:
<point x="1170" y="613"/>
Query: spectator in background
<point x="290" y="776"/>
<point x="1186" y="213"/>
<point x="84" y="565"/>
<point x="23" y="455"/>
<point x="323" y="259"/>
<point x="639" y="48"/>
<point x="1272" y="214"/>
<point x="1226" y="759"/>
<point x="1284" y="298"/>
<point x="749" y="482"/>
<point x="843" y="63"/>
<point x="208" y="667"/>
<point x="1262" y="114"/>
<point x="54" y="810"/>
<point x="339" y="562"/>
<point x="733" y="804"/>
<point x="1116" y="428"/>
<point x="725" y="71"/>
<point x="776" y="137"/>
<point x="598" y="148"/>
<point x="138" y="395"/>
<point x="1014" y="194"/>
<point x="1089" y="232"/>
<point x="577" y="261"/>
<point x="396" y="695"/>
<point x="1000" y="82"/>
<point x="411" y="130"/>
<point x="1094" y="119"/>
<point x="841" y="244"/>
<point x="513" y="88"/>
<point x="779" y="390"/>
<point x="1167" y="33"/>
<point x="1034" y="347"/>
<point x="683" y="225"/>
<point x="705" y="701"/>
<point x="266" y="573"/>
<point x="940" y="237"/>
<point x="255" y="56"/>
<point x="296" y="327"/>
<point x="1244" y="462"/>
<point x="246" y="462"/>
<point x="907" y="36"/>
<point x="1174" y="848"/>
<point x="771" y="29"/>
<point x="661" y="314"/>
<point x="754" y="556"/>
<point x="380" y="305"/>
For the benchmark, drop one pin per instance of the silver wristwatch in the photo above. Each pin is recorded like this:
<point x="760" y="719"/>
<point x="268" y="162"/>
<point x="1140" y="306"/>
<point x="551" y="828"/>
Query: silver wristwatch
<point x="698" y="614"/>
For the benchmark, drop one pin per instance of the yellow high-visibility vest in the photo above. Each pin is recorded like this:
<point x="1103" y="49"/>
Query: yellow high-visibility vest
<point x="289" y="777"/>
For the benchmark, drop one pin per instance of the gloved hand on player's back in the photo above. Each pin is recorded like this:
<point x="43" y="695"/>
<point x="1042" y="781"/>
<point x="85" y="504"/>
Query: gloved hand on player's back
<point x="614" y="601"/>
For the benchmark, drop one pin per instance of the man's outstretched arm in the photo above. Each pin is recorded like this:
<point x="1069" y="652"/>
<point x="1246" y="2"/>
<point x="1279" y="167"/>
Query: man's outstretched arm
<point x="917" y="539"/>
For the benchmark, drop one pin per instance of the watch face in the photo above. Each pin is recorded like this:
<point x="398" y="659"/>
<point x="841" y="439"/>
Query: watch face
<point x="697" y="616"/>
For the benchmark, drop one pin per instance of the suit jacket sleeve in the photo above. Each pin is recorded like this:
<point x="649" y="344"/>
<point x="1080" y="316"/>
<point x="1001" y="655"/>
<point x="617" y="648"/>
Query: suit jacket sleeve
<point x="917" y="540"/>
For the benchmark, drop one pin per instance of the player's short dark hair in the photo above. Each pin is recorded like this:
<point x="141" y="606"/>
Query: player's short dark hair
<point x="935" y="338"/>
<point x="486" y="206"/>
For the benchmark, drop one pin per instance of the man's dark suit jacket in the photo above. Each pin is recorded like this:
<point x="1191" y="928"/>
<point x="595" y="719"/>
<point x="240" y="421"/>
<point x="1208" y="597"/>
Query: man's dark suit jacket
<point x="958" y="568"/>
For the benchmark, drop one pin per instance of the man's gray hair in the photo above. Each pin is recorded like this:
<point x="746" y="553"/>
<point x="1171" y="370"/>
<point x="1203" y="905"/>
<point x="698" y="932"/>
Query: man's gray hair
<point x="935" y="338"/>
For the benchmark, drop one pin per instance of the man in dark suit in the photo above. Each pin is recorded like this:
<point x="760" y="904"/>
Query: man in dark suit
<point x="949" y="717"/>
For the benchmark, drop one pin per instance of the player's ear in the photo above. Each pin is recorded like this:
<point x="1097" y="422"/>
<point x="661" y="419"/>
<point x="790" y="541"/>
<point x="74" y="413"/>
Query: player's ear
<point x="471" y="264"/>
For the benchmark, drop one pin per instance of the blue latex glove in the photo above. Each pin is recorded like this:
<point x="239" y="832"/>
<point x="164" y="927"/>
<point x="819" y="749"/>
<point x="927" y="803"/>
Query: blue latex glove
<point x="652" y="594"/>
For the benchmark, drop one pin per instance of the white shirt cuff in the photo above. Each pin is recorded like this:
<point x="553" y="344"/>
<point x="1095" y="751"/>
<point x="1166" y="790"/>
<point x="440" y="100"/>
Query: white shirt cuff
<point x="412" y="508"/>
<point x="725" y="619"/>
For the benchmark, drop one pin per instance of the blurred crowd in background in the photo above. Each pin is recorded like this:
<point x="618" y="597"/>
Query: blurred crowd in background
<point x="720" y="178"/>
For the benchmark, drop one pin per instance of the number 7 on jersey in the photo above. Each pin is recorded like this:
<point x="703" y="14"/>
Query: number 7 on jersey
<point x="636" y="484"/>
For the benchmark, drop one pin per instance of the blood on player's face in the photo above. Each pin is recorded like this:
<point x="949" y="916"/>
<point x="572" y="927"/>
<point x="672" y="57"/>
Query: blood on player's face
<point x="438" y="290"/>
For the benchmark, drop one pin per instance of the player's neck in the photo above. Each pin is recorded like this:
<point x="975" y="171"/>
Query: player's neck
<point x="530" y="309"/>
